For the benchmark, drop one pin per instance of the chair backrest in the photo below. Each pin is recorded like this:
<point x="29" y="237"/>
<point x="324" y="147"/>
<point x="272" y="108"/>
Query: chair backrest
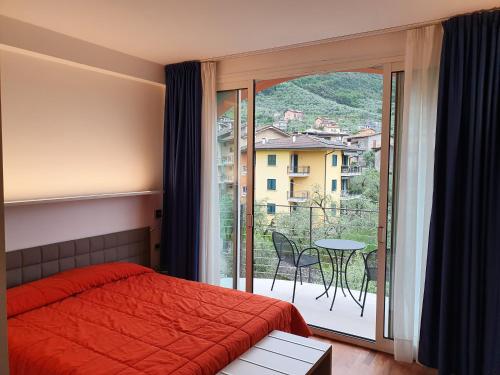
<point x="284" y="248"/>
<point x="371" y="265"/>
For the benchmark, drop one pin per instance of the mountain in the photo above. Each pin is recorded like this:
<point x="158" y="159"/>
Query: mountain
<point x="353" y="100"/>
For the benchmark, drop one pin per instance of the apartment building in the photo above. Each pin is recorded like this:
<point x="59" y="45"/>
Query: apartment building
<point x="291" y="168"/>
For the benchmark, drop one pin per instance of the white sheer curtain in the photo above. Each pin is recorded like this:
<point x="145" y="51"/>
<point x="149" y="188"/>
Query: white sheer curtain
<point x="209" y="223"/>
<point x="423" y="49"/>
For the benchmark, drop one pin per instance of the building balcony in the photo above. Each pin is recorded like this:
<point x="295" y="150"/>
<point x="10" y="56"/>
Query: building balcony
<point x="297" y="196"/>
<point x="298" y="171"/>
<point x="225" y="179"/>
<point x="351" y="170"/>
<point x="226" y="160"/>
<point x="345" y="195"/>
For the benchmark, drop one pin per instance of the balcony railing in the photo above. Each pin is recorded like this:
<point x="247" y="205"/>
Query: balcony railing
<point x="297" y="196"/>
<point x="305" y="225"/>
<point x="226" y="179"/>
<point x="298" y="171"/>
<point x="226" y="160"/>
<point x="351" y="170"/>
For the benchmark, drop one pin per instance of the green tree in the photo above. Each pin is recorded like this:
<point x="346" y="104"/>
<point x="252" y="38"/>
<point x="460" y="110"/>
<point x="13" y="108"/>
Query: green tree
<point x="367" y="184"/>
<point x="369" y="158"/>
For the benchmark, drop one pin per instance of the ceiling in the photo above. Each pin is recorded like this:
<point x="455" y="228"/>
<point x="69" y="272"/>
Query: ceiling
<point x="166" y="31"/>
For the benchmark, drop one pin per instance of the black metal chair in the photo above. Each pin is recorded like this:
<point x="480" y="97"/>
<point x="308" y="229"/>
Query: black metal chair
<point x="370" y="274"/>
<point x="289" y="253"/>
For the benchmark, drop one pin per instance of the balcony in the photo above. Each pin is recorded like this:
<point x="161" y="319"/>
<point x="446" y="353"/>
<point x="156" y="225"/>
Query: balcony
<point x="344" y="195"/>
<point x="304" y="225"/>
<point x="226" y="160"/>
<point x="351" y="170"/>
<point x="298" y="171"/>
<point x="344" y="317"/>
<point x="225" y="179"/>
<point x="297" y="196"/>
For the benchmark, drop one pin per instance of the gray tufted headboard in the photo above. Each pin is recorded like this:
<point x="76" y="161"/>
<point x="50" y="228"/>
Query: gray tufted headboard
<point x="38" y="262"/>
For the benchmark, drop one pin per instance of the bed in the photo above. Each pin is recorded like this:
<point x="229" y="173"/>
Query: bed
<point x="124" y="318"/>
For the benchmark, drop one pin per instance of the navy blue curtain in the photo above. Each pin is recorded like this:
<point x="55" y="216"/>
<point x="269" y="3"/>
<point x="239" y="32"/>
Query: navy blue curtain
<point x="181" y="181"/>
<point x="460" y="331"/>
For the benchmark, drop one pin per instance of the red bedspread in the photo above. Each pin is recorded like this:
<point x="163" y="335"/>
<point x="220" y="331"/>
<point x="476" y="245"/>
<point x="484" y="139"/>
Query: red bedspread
<point x="121" y="318"/>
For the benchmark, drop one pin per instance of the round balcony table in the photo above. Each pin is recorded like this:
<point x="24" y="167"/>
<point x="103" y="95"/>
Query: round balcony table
<point x="339" y="248"/>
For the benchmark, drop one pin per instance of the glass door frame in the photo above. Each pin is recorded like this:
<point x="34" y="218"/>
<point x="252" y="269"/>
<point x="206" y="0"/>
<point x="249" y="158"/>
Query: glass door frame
<point x="249" y="86"/>
<point x="381" y="343"/>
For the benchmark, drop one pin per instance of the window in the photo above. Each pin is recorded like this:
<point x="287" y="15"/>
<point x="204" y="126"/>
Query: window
<point x="271" y="160"/>
<point x="271" y="184"/>
<point x="345" y="184"/>
<point x="334" y="160"/>
<point x="334" y="209"/>
<point x="345" y="160"/>
<point x="271" y="208"/>
<point x="334" y="185"/>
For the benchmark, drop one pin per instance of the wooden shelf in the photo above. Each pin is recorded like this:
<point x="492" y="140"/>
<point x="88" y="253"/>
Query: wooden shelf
<point x="79" y="198"/>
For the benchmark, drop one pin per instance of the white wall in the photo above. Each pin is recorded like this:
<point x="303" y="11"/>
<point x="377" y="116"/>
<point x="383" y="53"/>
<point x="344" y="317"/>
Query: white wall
<point x="71" y="131"/>
<point x="78" y="119"/>
<point x="46" y="223"/>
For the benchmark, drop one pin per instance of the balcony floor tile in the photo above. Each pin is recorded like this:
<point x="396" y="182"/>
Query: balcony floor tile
<point x="344" y="317"/>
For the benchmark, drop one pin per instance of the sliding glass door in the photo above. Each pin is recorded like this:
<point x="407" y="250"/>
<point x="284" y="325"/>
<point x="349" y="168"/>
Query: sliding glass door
<point x="309" y="162"/>
<point x="232" y="178"/>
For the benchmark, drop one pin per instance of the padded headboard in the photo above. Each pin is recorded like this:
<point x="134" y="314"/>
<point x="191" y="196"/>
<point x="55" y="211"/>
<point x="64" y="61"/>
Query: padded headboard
<point x="35" y="263"/>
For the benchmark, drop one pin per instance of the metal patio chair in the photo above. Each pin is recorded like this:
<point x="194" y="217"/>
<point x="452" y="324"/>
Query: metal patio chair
<point x="288" y="253"/>
<point x="370" y="274"/>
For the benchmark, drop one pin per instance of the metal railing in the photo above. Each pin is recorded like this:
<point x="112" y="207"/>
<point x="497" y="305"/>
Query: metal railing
<point x="305" y="225"/>
<point x="226" y="160"/>
<point x="226" y="179"/>
<point x="351" y="169"/>
<point x="298" y="170"/>
<point x="297" y="196"/>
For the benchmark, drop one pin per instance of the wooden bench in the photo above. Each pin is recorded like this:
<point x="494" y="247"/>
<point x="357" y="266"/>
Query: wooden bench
<point x="283" y="353"/>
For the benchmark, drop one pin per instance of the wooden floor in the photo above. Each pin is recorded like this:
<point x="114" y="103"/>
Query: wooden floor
<point x="354" y="360"/>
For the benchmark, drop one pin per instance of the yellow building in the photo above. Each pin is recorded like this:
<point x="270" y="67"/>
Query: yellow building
<point x="289" y="168"/>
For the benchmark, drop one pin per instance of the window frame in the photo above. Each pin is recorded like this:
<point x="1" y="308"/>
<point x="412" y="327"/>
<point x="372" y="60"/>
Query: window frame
<point x="334" y="186"/>
<point x="273" y="184"/>
<point x="275" y="160"/>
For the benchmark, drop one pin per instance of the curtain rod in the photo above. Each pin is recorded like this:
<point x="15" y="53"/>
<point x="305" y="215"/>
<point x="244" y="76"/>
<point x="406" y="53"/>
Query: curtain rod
<point x="343" y="37"/>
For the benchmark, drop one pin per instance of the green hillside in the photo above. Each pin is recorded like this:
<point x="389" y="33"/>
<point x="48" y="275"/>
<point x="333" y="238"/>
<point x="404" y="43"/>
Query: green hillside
<point x="351" y="99"/>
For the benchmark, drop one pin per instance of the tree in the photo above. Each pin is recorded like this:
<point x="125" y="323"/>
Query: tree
<point x="369" y="158"/>
<point x="367" y="184"/>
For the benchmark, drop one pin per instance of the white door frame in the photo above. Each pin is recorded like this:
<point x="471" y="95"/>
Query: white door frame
<point x="381" y="343"/>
